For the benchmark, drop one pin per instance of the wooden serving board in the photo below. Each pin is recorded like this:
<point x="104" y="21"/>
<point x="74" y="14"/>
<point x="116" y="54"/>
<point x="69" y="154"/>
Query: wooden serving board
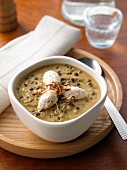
<point x="16" y="138"/>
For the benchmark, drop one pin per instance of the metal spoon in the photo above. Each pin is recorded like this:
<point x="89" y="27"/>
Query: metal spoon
<point x="113" y="112"/>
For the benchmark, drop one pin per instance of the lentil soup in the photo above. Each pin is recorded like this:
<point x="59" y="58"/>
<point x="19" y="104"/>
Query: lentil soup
<point x="31" y="88"/>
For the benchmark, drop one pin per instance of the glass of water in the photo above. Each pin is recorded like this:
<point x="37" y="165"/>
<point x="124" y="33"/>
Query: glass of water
<point x="102" y="24"/>
<point x="72" y="10"/>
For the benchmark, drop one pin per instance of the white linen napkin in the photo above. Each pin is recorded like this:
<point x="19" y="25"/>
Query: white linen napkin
<point x="50" y="37"/>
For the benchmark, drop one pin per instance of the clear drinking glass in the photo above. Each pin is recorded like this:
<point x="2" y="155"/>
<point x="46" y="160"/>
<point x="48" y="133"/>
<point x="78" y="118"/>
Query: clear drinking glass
<point x="102" y="25"/>
<point x="72" y="10"/>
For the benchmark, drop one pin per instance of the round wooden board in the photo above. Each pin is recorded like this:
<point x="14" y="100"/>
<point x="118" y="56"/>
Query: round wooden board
<point x="16" y="138"/>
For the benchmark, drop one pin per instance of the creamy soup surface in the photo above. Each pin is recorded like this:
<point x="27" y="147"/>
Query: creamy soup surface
<point x="31" y="88"/>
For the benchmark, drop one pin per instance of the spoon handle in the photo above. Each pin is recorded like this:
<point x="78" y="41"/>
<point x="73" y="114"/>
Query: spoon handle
<point x="116" y="118"/>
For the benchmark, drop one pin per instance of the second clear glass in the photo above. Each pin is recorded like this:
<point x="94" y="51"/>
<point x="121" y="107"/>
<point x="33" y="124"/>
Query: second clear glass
<point x="72" y="10"/>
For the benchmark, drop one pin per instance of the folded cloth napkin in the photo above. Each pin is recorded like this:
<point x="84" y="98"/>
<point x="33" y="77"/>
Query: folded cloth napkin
<point x="50" y="37"/>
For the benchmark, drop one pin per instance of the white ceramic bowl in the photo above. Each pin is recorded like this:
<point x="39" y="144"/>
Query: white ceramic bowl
<point x="57" y="131"/>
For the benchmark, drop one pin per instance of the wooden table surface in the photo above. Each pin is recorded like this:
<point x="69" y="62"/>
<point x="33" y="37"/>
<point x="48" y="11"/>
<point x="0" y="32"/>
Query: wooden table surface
<point x="111" y="152"/>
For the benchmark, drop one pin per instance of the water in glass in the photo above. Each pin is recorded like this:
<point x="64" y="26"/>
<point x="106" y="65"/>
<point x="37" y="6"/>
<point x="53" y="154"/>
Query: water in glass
<point x="103" y="33"/>
<point x="102" y="25"/>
